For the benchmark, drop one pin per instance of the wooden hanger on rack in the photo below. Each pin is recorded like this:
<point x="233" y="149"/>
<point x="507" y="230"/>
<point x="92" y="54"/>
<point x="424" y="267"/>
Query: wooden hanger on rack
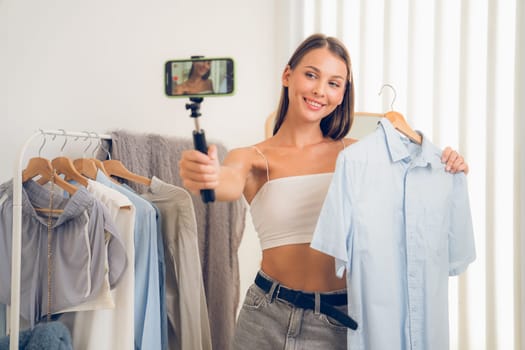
<point x="64" y="165"/>
<point x="86" y="166"/>
<point x="396" y="118"/>
<point x="42" y="167"/>
<point x="116" y="168"/>
<point x="98" y="162"/>
<point x="38" y="166"/>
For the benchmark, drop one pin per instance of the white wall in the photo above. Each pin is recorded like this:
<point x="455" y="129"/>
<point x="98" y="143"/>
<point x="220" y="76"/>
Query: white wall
<point x="98" y="65"/>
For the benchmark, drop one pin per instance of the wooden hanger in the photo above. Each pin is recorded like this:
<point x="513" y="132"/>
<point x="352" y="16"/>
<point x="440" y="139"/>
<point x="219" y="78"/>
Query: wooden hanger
<point x="98" y="162"/>
<point x="64" y="165"/>
<point x="86" y="166"/>
<point x="42" y="167"/>
<point x="38" y="166"/>
<point x="399" y="122"/>
<point x="100" y="166"/>
<point x="396" y="118"/>
<point x="116" y="168"/>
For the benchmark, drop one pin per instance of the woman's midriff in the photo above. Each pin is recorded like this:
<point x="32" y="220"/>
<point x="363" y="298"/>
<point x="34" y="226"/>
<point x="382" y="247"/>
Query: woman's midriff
<point x="300" y="267"/>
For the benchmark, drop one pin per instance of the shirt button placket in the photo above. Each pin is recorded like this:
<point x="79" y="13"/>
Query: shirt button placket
<point x="413" y="287"/>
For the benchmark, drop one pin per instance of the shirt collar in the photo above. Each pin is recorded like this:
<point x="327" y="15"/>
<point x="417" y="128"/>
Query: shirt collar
<point x="428" y="153"/>
<point x="35" y="195"/>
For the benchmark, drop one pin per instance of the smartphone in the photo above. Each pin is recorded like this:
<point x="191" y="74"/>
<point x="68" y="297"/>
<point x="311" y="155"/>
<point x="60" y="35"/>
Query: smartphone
<point x="199" y="77"/>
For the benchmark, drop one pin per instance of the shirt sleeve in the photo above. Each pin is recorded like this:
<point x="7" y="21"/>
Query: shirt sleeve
<point x="461" y="236"/>
<point x="115" y="248"/>
<point x="332" y="232"/>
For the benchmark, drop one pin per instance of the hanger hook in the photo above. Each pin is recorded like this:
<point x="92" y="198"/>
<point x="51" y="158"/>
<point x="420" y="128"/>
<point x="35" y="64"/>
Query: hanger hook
<point x="395" y="94"/>
<point x="88" y="136"/>
<point x="43" y="142"/>
<point x="91" y="133"/>
<point x="65" y="141"/>
<point x="103" y="148"/>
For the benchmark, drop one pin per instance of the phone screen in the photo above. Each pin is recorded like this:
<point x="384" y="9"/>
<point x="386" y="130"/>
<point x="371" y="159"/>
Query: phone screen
<point x="199" y="77"/>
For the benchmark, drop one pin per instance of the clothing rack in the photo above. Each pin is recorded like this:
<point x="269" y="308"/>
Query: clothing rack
<point x="14" y="309"/>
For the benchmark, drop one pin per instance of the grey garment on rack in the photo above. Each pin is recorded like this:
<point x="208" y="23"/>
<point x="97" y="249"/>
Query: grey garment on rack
<point x="78" y="250"/>
<point x="220" y="225"/>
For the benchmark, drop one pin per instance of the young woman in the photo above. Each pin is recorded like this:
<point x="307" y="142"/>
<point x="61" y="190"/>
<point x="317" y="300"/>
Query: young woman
<point x="296" y="300"/>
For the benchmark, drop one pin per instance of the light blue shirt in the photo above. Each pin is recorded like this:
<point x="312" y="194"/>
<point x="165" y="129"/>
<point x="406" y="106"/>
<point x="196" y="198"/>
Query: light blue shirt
<point x="162" y="272"/>
<point x="400" y="225"/>
<point x="148" y="331"/>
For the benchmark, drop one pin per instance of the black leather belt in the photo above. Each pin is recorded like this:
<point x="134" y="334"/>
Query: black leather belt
<point x="307" y="300"/>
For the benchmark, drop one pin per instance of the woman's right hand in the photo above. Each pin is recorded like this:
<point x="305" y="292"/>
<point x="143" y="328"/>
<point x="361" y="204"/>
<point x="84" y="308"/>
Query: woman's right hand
<point x="198" y="170"/>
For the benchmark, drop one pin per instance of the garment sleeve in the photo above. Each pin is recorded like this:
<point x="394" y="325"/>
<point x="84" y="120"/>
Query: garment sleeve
<point x="461" y="236"/>
<point x="115" y="248"/>
<point x="332" y="233"/>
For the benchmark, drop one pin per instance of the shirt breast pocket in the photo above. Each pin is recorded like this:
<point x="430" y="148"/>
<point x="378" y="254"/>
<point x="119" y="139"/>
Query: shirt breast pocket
<point x="434" y="229"/>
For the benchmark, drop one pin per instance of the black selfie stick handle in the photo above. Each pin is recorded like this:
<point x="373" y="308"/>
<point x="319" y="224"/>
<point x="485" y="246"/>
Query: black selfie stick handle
<point x="199" y="141"/>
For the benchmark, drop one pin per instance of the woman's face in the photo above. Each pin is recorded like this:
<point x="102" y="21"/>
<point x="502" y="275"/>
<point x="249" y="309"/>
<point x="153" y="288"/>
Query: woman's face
<point x="201" y="67"/>
<point x="316" y="85"/>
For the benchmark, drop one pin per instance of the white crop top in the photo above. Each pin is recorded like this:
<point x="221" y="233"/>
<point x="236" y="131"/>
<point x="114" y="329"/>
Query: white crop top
<point x="285" y="210"/>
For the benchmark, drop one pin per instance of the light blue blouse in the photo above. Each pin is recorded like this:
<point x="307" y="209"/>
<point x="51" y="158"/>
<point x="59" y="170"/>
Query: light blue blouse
<point x="148" y="331"/>
<point x="400" y="225"/>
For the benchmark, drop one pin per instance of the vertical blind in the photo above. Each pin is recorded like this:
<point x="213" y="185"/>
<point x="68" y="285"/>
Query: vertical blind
<point x="458" y="72"/>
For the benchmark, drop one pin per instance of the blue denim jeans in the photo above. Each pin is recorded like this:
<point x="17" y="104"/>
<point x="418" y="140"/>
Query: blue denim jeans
<point x="264" y="323"/>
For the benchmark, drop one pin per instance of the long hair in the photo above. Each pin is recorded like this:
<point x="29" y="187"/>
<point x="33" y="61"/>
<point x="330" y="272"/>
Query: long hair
<point x="336" y="124"/>
<point x="204" y="77"/>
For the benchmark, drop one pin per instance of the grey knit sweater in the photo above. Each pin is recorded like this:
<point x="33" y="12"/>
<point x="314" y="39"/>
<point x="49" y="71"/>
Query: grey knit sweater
<point x="220" y="224"/>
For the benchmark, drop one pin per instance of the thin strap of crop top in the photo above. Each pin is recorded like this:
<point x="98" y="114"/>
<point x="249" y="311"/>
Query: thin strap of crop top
<point x="266" y="160"/>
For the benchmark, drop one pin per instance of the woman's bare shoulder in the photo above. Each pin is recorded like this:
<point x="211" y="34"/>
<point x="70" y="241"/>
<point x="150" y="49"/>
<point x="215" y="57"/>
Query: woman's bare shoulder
<point x="243" y="155"/>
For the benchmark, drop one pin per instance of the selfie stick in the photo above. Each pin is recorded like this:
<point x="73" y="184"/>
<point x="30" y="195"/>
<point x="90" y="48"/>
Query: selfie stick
<point x="199" y="140"/>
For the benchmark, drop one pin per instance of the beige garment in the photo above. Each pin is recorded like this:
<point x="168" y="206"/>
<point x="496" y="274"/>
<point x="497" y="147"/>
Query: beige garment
<point x="188" y="324"/>
<point x="220" y="225"/>
<point x="110" y="329"/>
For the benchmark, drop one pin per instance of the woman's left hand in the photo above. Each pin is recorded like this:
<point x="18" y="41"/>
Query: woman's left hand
<point x="454" y="161"/>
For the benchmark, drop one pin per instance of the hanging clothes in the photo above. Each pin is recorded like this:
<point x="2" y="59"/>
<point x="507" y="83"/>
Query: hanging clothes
<point x="78" y="253"/>
<point x="400" y="225"/>
<point x="220" y="225"/>
<point x="148" y="323"/>
<point x="188" y="326"/>
<point x="110" y="329"/>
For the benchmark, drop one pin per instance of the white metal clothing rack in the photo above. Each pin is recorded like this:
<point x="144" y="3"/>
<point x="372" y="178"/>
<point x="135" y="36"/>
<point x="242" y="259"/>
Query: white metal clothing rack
<point x="14" y="324"/>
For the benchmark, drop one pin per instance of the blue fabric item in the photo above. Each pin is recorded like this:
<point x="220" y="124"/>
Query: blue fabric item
<point x="45" y="336"/>
<point x="400" y="225"/>
<point x="162" y="274"/>
<point x="148" y="334"/>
